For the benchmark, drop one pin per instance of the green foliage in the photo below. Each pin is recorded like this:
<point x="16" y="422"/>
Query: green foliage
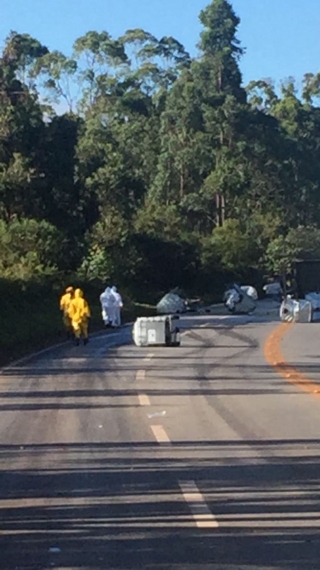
<point x="56" y="72"/>
<point x="164" y="264"/>
<point x="28" y="249"/>
<point x="157" y="220"/>
<point x="29" y="318"/>
<point x="233" y="246"/>
<point x="21" y="54"/>
<point x="220" y="24"/>
<point x="299" y="243"/>
<point x="108" y="250"/>
<point x="132" y="162"/>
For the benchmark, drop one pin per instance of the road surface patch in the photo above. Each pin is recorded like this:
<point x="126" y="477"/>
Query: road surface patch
<point x="201" y="513"/>
<point x="274" y="357"/>
<point x="28" y="357"/>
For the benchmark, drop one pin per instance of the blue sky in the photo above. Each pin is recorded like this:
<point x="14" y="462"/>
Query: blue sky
<point x="281" y="37"/>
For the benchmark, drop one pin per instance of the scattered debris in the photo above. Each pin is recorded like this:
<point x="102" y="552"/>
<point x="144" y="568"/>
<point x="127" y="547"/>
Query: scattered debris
<point x="238" y="301"/>
<point x="296" y="311"/>
<point x="157" y="415"/>
<point x="171" y="303"/>
<point x="54" y="550"/>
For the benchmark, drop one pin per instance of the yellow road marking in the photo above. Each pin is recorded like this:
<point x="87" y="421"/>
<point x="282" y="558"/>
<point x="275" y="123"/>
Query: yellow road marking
<point x="274" y="356"/>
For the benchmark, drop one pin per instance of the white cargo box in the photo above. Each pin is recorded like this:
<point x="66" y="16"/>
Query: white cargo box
<point x="296" y="311"/>
<point x="156" y="331"/>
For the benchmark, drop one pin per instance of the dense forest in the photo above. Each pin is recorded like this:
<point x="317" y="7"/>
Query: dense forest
<point x="135" y="163"/>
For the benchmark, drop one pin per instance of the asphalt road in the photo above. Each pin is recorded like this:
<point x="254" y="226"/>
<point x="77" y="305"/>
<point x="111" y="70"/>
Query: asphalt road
<point x="199" y="457"/>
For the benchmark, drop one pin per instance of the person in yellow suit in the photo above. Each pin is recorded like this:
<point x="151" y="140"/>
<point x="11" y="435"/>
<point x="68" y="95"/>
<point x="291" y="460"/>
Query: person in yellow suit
<point x="64" y="308"/>
<point x="79" y="313"/>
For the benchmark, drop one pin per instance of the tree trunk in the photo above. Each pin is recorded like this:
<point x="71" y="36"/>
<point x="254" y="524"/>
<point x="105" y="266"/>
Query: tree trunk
<point x="181" y="183"/>
<point x="223" y="209"/>
<point x="220" y="79"/>
<point x="220" y="209"/>
<point x="219" y="221"/>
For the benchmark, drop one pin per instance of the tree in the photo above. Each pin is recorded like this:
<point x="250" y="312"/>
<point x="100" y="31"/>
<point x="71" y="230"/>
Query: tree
<point x="299" y="243"/>
<point x="262" y="95"/>
<point x="21" y="53"/>
<point x="58" y="72"/>
<point x="15" y="179"/>
<point x="234" y="246"/>
<point x="221" y="50"/>
<point x="219" y="78"/>
<point x="29" y="250"/>
<point x="99" y="58"/>
<point x="201" y="123"/>
<point x="21" y="132"/>
<point x="132" y="156"/>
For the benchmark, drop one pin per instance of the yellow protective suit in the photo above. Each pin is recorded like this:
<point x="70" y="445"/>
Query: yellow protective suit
<point x="79" y="313"/>
<point x="64" y="308"/>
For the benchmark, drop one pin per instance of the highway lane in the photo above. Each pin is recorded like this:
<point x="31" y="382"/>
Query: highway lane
<point x="171" y="458"/>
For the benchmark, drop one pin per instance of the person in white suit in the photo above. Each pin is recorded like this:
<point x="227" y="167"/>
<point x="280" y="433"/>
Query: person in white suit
<point x="107" y="305"/>
<point x="118" y="304"/>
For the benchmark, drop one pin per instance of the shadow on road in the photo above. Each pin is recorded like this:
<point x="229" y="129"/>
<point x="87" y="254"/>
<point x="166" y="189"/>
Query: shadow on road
<point x="120" y="506"/>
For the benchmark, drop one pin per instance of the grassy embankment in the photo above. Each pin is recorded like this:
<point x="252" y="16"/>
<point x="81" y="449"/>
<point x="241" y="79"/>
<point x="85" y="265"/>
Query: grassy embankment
<point x="30" y="319"/>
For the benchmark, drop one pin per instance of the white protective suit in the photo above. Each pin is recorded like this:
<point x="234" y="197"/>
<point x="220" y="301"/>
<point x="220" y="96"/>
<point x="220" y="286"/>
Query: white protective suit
<point x="118" y="304"/>
<point x="107" y="304"/>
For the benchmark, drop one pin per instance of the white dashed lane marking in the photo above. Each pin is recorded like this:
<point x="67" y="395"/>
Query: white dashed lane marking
<point x="160" y="434"/>
<point x="201" y="513"/>
<point x="144" y="400"/>
<point x="141" y="375"/>
<point x="148" y="358"/>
